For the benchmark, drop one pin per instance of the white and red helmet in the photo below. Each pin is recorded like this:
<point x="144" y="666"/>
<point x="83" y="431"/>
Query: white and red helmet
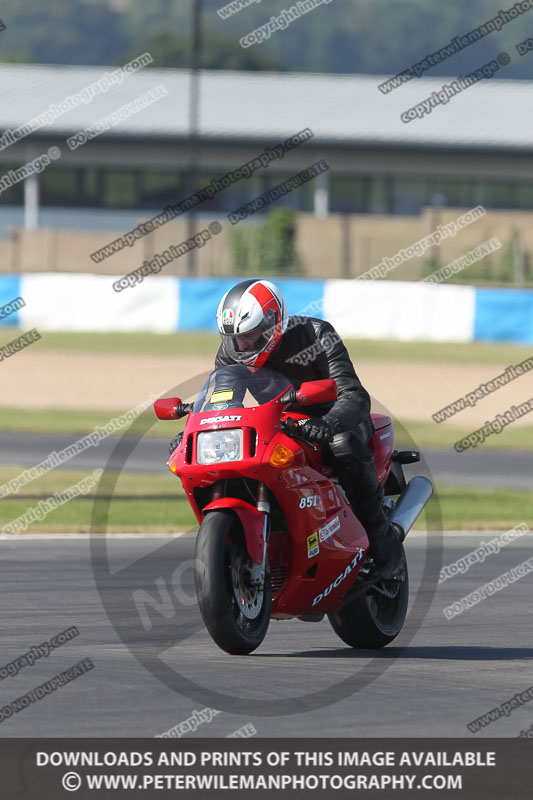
<point x="252" y="318"/>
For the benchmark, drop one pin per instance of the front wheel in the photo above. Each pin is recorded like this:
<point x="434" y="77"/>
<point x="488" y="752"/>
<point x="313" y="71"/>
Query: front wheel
<point x="375" y="618"/>
<point x="235" y="613"/>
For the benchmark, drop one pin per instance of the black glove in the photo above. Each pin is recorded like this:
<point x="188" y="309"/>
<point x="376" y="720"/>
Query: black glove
<point x="174" y="443"/>
<point x="316" y="429"/>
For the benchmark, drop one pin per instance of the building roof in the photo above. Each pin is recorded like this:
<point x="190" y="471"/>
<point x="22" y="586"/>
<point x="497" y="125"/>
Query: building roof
<point x="339" y="109"/>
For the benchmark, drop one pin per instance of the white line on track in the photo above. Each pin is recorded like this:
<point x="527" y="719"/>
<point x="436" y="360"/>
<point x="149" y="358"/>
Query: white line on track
<point x="42" y="536"/>
<point x="480" y="533"/>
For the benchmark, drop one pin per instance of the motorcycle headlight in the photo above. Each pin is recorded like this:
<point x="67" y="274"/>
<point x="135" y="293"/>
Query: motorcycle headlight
<point x="215" y="447"/>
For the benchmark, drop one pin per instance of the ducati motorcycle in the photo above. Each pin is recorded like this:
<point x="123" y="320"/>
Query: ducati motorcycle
<point x="277" y="537"/>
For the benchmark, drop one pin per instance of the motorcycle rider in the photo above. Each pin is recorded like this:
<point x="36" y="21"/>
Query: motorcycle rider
<point x="256" y="331"/>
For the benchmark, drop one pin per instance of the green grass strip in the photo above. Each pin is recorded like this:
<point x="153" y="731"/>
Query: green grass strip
<point x="206" y="344"/>
<point x="82" y="422"/>
<point x="155" y="503"/>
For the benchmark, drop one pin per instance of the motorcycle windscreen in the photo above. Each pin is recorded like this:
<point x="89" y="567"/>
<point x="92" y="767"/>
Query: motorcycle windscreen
<point x="239" y="386"/>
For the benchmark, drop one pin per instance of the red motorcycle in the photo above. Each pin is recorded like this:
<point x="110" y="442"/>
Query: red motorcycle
<point x="278" y="538"/>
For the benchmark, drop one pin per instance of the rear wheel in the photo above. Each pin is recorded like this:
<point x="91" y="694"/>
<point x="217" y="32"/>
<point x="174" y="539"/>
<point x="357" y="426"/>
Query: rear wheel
<point x="372" y="620"/>
<point x="235" y="613"/>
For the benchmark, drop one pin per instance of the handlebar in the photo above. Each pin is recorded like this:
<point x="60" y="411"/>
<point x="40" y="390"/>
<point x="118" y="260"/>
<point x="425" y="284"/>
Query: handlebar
<point x="291" y="427"/>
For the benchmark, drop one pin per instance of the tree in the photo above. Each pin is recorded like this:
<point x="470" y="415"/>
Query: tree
<point x="173" y="50"/>
<point x="61" y="32"/>
<point x="348" y="36"/>
<point x="268" y="248"/>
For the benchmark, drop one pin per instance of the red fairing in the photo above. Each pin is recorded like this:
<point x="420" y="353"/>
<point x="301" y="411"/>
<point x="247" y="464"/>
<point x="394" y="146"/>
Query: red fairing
<point x="382" y="445"/>
<point x="252" y="522"/>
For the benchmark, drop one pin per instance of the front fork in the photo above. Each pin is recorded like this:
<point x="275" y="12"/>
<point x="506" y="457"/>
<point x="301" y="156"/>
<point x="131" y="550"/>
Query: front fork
<point x="254" y="521"/>
<point x="257" y="572"/>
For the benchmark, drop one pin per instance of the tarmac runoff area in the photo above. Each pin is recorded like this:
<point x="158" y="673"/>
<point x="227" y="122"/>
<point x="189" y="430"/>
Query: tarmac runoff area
<point x="430" y="675"/>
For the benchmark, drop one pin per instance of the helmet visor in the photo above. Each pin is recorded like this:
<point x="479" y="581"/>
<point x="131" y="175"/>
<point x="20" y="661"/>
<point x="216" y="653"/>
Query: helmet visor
<point x="245" y="347"/>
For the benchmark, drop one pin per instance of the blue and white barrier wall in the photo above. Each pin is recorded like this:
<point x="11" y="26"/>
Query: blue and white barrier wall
<point x="371" y="309"/>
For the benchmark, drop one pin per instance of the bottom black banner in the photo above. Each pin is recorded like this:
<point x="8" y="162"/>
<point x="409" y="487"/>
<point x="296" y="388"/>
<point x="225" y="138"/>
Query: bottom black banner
<point x="48" y="769"/>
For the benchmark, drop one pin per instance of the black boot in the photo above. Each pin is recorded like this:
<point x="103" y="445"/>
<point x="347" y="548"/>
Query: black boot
<point x="353" y="462"/>
<point x="387" y="551"/>
<point x="385" y="543"/>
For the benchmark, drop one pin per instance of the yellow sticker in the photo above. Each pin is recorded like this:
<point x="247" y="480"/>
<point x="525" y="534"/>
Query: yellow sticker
<point x="312" y="545"/>
<point x="222" y="396"/>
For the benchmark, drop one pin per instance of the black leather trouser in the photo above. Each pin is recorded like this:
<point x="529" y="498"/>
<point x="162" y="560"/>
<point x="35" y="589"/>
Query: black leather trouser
<point x="353" y="463"/>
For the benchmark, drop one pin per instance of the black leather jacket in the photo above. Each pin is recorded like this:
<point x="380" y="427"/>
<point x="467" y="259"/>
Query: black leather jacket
<point x="311" y="349"/>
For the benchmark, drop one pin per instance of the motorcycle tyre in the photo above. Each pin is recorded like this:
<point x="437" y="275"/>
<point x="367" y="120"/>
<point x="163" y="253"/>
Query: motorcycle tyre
<point x="358" y="625"/>
<point x="214" y="589"/>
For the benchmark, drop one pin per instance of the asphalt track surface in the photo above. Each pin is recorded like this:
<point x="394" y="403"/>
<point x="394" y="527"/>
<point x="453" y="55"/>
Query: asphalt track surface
<point x="493" y="470"/>
<point x="439" y="674"/>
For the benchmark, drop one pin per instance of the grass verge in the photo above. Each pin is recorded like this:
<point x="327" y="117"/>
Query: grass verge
<point x="429" y="434"/>
<point x="157" y="503"/>
<point x="206" y="344"/>
<point x="82" y="421"/>
<point x="466" y="507"/>
<point x="424" y="434"/>
<point x="139" y="502"/>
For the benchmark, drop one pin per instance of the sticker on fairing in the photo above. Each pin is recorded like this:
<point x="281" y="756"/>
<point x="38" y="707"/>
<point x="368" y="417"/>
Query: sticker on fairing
<point x="312" y="545"/>
<point x="309" y="501"/>
<point x="329" y="529"/>
<point x="227" y="418"/>
<point x="221" y="396"/>
<point x="339" y="579"/>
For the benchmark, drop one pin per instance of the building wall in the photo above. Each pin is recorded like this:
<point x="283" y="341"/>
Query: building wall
<point x="337" y="246"/>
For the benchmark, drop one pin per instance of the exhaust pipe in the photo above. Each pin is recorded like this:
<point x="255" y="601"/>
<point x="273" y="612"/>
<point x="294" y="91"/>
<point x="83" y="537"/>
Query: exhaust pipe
<point x="411" y="503"/>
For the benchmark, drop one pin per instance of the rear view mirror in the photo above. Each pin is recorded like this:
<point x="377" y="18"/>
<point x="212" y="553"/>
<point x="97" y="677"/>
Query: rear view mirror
<point x="315" y="392"/>
<point x="169" y="408"/>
